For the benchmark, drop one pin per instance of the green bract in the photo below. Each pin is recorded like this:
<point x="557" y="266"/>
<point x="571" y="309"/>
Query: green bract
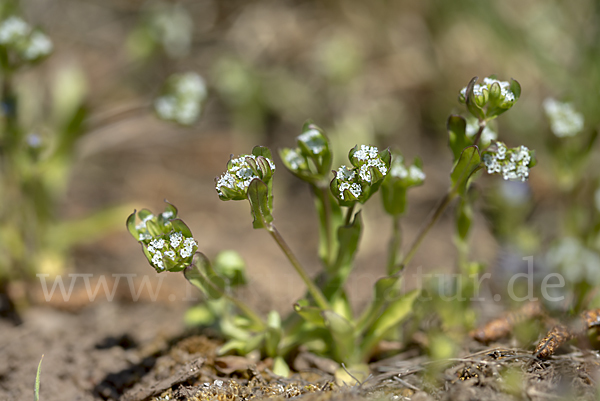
<point x="166" y="241"/>
<point x="362" y="180"/>
<point x="488" y="100"/>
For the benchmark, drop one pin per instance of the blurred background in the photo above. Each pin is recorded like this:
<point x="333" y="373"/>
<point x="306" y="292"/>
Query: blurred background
<point x="386" y="73"/>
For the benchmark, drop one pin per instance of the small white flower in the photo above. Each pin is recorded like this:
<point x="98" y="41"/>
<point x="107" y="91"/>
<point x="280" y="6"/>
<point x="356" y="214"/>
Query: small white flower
<point x="294" y="159"/>
<point x="167" y="215"/>
<point x="144" y="237"/>
<point x="399" y="171"/>
<point x="158" y="243"/>
<point x="366" y="152"/>
<point x="186" y="252"/>
<point x="144" y="221"/>
<point x="312" y="138"/>
<point x="345" y="174"/>
<point x="355" y="189"/>
<point x="170" y="254"/>
<point x="415" y="173"/>
<point x="175" y="239"/>
<point x="190" y="242"/>
<point x="365" y="173"/>
<point x="157" y="260"/>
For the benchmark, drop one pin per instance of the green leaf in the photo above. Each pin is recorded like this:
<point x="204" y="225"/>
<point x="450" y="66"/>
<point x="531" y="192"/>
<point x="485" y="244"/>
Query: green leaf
<point x="230" y="264"/>
<point x="202" y="276"/>
<point x="342" y="332"/>
<point x="310" y="314"/>
<point x="258" y="195"/>
<point x="457" y="135"/>
<point x="273" y="334"/>
<point x="36" y="390"/>
<point x="467" y="165"/>
<point x="280" y="367"/>
<point x="179" y="225"/>
<point x="199" y="315"/>
<point x="393" y="315"/>
<point x="386" y="290"/>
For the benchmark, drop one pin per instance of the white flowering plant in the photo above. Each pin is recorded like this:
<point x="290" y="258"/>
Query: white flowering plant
<point x="324" y="321"/>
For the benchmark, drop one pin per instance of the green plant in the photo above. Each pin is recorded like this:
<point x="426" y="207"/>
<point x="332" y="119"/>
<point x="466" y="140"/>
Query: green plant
<point x="36" y="388"/>
<point x="324" y="320"/>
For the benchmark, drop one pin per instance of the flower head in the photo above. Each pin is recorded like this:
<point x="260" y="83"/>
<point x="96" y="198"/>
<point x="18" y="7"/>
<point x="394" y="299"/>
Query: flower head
<point x="181" y="98"/>
<point x="233" y="184"/>
<point x="491" y="98"/>
<point x="166" y="241"/>
<point x="359" y="182"/>
<point x="564" y="119"/>
<point x="513" y="164"/>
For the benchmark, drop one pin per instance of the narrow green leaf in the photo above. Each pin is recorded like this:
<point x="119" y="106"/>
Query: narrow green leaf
<point x="393" y="315"/>
<point x="342" y="332"/>
<point x="36" y="390"/>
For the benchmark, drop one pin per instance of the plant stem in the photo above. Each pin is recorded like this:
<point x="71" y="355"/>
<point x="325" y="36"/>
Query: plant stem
<point x="394" y="246"/>
<point x="349" y="214"/>
<point x="482" y="124"/>
<point x="322" y="194"/>
<point x="312" y="288"/>
<point x="433" y="218"/>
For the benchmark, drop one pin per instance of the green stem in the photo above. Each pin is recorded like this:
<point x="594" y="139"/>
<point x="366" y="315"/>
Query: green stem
<point x="433" y="218"/>
<point x="349" y="212"/>
<point x="482" y="124"/>
<point x="312" y="288"/>
<point x="394" y="246"/>
<point x="325" y="219"/>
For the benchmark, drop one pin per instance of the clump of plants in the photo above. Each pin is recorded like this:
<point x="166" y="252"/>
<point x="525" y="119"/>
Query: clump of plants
<point x="323" y="321"/>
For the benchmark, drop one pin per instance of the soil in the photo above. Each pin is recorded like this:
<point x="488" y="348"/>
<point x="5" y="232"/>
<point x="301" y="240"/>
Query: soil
<point x="142" y="351"/>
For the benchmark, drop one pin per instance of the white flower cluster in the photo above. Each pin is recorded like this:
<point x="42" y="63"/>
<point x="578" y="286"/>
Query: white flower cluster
<point x="368" y="156"/>
<point x="412" y="173"/>
<point x="294" y="159"/>
<point x="564" y="120"/>
<point x="239" y="175"/>
<point x="505" y="93"/>
<point x="177" y="246"/>
<point x="513" y="163"/>
<point x="31" y="44"/>
<point x="182" y="101"/>
<point x="487" y="136"/>
<point x="346" y="176"/>
<point x="12" y="30"/>
<point x="313" y="140"/>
